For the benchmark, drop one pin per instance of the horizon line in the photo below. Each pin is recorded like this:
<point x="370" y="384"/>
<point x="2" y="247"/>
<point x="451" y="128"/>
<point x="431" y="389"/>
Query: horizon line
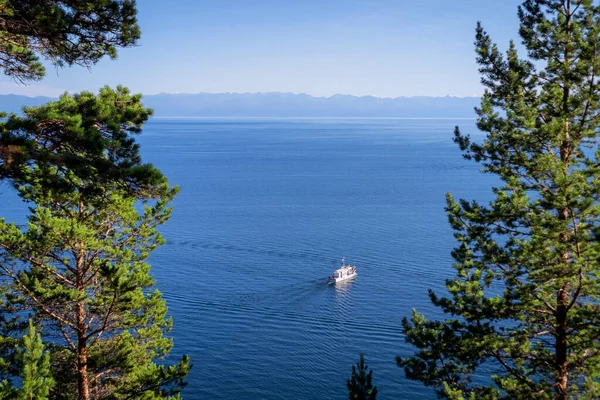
<point x="261" y="93"/>
<point x="308" y="117"/>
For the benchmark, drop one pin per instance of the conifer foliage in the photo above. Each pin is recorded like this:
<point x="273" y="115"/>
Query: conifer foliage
<point x="36" y="374"/>
<point x="78" y="268"/>
<point x="523" y="308"/>
<point x="67" y="32"/>
<point x="360" y="386"/>
<point x="32" y="366"/>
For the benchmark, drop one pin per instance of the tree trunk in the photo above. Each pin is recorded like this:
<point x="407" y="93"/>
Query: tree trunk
<point x="562" y="297"/>
<point x="560" y="387"/>
<point x="83" y="386"/>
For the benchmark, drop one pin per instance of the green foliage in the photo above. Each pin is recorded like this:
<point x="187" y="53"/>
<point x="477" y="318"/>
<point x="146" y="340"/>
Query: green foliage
<point x="31" y="365"/>
<point x="81" y="143"/>
<point x="37" y="377"/>
<point x="360" y="386"/>
<point x="67" y="32"/>
<point x="524" y="304"/>
<point x="79" y="266"/>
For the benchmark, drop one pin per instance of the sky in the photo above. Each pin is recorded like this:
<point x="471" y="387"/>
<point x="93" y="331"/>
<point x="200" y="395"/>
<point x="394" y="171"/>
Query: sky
<point x="383" y="48"/>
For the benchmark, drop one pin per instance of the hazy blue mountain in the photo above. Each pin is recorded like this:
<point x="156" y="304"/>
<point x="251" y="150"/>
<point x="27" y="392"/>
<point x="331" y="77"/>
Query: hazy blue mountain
<point x="286" y="105"/>
<point x="303" y="105"/>
<point x="14" y="103"/>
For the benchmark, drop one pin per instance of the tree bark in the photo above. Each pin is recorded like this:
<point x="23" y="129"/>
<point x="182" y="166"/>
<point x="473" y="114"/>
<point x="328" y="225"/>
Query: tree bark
<point x="562" y="296"/>
<point x="83" y="386"/>
<point x="562" y="374"/>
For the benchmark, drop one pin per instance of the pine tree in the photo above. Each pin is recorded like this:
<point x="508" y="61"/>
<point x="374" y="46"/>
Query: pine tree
<point x="523" y="314"/>
<point x="32" y="369"/>
<point x="37" y="377"/>
<point x="67" y="32"/>
<point x="360" y="386"/>
<point x="79" y="266"/>
<point x="13" y="325"/>
<point x="90" y="136"/>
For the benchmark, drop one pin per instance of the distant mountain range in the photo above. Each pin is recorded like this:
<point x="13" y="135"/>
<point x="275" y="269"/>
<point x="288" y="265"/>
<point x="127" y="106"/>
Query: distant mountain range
<point x="285" y="105"/>
<point x="14" y="102"/>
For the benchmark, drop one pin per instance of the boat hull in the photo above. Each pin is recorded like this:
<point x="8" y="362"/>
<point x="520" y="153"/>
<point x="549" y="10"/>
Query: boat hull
<point x="342" y="279"/>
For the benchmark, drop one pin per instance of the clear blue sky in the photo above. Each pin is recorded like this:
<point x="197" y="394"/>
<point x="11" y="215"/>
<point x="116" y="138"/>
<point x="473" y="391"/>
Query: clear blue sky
<point x="385" y="48"/>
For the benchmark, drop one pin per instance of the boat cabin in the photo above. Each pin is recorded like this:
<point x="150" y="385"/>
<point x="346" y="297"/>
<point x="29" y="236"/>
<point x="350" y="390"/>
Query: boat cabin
<point x="343" y="272"/>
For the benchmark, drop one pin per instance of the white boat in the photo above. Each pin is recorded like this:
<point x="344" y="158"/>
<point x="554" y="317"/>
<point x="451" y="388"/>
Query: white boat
<point x="344" y="273"/>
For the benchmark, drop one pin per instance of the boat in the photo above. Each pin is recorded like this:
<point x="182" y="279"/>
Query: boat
<point x="343" y="273"/>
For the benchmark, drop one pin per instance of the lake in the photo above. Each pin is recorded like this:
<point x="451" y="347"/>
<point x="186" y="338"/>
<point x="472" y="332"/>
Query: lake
<point x="267" y="209"/>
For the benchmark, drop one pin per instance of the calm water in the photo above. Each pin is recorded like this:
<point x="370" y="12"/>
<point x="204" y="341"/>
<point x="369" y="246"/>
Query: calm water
<point x="267" y="209"/>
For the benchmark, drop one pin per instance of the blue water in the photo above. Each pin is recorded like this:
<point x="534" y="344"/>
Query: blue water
<point x="267" y="209"/>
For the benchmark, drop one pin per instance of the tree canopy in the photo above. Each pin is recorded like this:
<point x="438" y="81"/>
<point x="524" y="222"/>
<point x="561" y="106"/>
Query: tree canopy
<point x="78" y="269"/>
<point x="88" y="136"/>
<point x="523" y="311"/>
<point x="66" y="32"/>
<point x="360" y="385"/>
